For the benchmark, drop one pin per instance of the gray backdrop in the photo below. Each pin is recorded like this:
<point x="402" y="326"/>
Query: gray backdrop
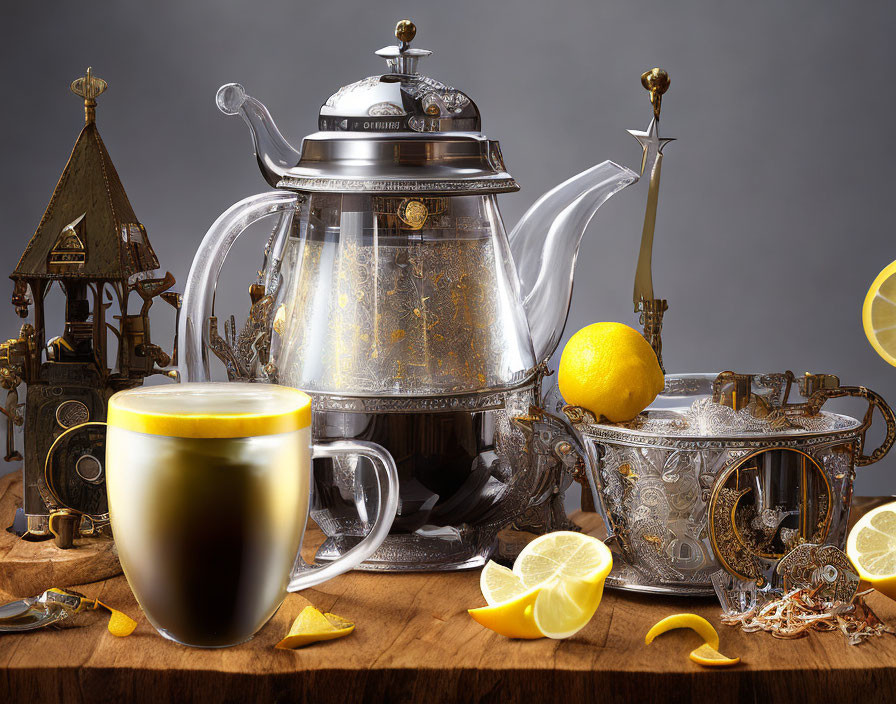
<point x="776" y="203"/>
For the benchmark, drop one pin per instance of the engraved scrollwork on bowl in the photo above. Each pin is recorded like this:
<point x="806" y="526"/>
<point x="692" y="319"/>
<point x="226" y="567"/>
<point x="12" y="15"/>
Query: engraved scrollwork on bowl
<point x="607" y="433"/>
<point x="683" y="494"/>
<point x="625" y="460"/>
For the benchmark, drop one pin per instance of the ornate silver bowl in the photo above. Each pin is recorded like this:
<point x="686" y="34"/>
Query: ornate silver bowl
<point x="723" y="471"/>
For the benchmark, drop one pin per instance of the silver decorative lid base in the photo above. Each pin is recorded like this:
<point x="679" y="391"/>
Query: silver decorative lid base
<point x="448" y="164"/>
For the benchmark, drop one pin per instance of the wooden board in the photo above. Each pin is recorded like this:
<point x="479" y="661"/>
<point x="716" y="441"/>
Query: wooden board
<point x="414" y="641"/>
<point x="28" y="568"/>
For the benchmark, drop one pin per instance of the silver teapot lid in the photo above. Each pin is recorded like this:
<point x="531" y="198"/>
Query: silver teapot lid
<point x="401" y="100"/>
<point x="400" y="131"/>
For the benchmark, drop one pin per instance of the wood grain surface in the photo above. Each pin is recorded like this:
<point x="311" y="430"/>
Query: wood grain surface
<point x="28" y="568"/>
<point x="415" y="642"/>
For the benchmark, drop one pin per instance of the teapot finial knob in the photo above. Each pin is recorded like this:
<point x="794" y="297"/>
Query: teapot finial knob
<point x="405" y="31"/>
<point x="656" y="80"/>
<point x="89" y="87"/>
<point x="402" y="59"/>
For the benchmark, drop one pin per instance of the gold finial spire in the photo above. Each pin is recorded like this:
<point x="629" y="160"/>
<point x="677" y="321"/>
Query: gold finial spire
<point x="89" y="87"/>
<point x="405" y="31"/>
<point x="651" y="308"/>
<point x="657" y="82"/>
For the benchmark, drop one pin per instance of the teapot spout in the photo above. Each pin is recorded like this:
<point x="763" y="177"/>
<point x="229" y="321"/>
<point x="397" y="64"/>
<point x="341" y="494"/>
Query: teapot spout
<point x="545" y="244"/>
<point x="275" y="155"/>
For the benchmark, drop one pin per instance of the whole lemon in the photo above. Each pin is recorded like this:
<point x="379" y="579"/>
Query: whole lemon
<point x="610" y="370"/>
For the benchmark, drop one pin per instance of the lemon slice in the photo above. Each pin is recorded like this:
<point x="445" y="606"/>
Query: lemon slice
<point x="710" y="657"/>
<point x="879" y="314"/>
<point x="872" y="548"/>
<point x="514" y="618"/>
<point x="560" y="555"/>
<point x="499" y="583"/>
<point x="696" y="623"/>
<point x="312" y="626"/>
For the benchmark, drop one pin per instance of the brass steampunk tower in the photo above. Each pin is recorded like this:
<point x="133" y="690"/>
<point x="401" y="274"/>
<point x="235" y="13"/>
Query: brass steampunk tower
<point x="91" y="245"/>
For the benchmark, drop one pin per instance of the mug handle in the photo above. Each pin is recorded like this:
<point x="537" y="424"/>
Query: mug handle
<point x="304" y="575"/>
<point x="63" y="525"/>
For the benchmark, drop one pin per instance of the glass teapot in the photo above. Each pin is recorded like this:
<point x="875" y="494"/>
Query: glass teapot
<point x="390" y="285"/>
<point x="390" y="272"/>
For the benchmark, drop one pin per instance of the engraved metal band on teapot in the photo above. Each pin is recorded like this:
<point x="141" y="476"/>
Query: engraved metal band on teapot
<point x="452" y="187"/>
<point x="445" y="164"/>
<point x="407" y="404"/>
<point x="489" y="400"/>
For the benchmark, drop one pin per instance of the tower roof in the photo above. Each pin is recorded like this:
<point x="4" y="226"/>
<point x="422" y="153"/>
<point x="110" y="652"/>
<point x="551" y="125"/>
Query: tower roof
<point x="89" y="230"/>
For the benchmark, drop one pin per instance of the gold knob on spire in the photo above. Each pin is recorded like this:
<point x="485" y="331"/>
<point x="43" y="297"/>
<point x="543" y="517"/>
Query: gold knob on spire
<point x="405" y="31"/>
<point x="656" y="80"/>
<point x="89" y="87"/>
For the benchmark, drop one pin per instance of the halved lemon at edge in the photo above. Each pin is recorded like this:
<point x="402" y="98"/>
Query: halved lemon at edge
<point x="879" y="314"/>
<point x="872" y="548"/>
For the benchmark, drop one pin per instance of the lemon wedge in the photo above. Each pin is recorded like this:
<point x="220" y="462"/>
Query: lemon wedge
<point x="499" y="584"/>
<point x="312" y="626"/>
<point x="698" y="624"/>
<point x="710" y="657"/>
<point x="513" y="618"/>
<point x="553" y="590"/>
<point x="872" y="548"/>
<point x="879" y="314"/>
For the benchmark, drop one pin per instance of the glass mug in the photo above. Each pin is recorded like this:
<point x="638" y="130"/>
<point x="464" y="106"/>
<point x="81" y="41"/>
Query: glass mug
<point x="209" y="487"/>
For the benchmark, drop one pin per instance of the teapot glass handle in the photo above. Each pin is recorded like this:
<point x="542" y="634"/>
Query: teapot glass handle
<point x="304" y="575"/>
<point x="199" y="294"/>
